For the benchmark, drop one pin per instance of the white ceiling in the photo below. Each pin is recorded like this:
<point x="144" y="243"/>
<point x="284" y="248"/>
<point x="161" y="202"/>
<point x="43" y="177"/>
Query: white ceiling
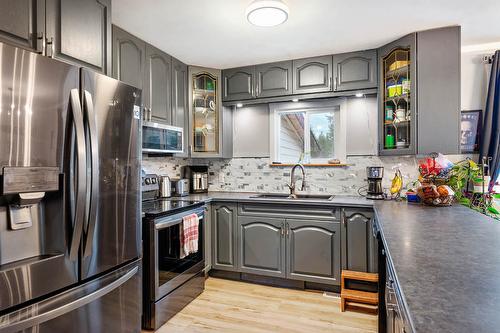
<point x="215" y="33"/>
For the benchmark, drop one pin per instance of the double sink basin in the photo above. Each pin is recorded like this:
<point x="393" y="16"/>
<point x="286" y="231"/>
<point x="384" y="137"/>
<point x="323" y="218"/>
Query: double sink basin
<point x="300" y="197"/>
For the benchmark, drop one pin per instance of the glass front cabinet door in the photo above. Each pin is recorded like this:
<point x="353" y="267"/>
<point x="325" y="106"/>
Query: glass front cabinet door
<point x="397" y="97"/>
<point x="205" y="113"/>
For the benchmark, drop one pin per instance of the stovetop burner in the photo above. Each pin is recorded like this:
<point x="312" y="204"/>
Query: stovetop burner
<point x="166" y="206"/>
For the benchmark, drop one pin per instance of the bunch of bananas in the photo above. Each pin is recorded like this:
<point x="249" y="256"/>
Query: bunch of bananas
<point x="397" y="183"/>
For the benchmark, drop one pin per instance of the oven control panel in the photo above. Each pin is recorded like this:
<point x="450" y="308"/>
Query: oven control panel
<point x="150" y="186"/>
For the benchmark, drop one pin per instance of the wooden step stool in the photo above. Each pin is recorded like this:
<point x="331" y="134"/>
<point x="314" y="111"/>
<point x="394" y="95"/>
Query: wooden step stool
<point x="365" y="301"/>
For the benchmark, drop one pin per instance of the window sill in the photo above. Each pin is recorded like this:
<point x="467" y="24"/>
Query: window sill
<point x="328" y="165"/>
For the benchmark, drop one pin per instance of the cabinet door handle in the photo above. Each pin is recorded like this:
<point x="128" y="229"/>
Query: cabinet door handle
<point x="335" y="83"/>
<point x="282" y="229"/>
<point x="287" y="230"/>
<point x="39" y="42"/>
<point x="50" y="43"/>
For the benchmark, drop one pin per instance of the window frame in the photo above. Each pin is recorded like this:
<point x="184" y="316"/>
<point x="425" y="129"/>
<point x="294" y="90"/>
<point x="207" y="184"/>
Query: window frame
<point x="337" y="106"/>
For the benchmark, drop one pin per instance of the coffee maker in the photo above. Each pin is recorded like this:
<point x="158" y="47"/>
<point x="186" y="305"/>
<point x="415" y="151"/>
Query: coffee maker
<point x="375" y="175"/>
<point x="198" y="178"/>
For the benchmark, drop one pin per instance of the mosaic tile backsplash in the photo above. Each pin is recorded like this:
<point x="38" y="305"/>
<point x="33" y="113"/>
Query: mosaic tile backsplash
<point x="255" y="174"/>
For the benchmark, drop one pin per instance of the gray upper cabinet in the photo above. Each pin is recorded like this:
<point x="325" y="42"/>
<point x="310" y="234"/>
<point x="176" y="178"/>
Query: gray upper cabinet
<point x="397" y="96"/>
<point x="355" y="70"/>
<point x="79" y="32"/>
<point x="180" y="111"/>
<point x="157" y="88"/>
<point x="312" y="75"/>
<point x="359" y="246"/>
<point x="313" y="251"/>
<point x="179" y="92"/>
<point x="238" y="83"/>
<point x="261" y="246"/>
<point x="273" y="79"/>
<point x="438" y="88"/>
<point x="129" y="57"/>
<point x="22" y="23"/>
<point x="224" y="236"/>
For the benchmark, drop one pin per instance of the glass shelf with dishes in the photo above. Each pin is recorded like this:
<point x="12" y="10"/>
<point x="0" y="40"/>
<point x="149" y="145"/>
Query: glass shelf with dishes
<point x="205" y="113"/>
<point x="397" y="115"/>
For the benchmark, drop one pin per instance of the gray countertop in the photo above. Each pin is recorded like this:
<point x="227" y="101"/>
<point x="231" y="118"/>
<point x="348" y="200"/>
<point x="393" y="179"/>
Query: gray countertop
<point x="447" y="264"/>
<point x="446" y="260"/>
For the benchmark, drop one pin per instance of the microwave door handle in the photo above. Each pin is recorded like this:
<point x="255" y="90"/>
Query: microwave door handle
<point x="78" y="211"/>
<point x="90" y="117"/>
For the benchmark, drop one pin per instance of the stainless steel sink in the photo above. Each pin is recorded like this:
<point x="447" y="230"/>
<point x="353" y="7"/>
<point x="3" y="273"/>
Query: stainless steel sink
<point x="312" y="197"/>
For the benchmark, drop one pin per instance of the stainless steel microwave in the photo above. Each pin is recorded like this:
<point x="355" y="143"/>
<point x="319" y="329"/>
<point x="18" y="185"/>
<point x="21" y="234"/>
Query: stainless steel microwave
<point x="162" y="139"/>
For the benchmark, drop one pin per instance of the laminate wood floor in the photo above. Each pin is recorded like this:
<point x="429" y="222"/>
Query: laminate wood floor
<point x="230" y="306"/>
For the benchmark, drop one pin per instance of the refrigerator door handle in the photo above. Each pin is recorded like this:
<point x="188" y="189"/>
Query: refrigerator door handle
<point x="21" y="319"/>
<point x="94" y="190"/>
<point x="79" y="204"/>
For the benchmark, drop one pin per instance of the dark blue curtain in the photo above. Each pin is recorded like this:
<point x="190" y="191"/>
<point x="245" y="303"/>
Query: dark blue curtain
<point x="490" y="140"/>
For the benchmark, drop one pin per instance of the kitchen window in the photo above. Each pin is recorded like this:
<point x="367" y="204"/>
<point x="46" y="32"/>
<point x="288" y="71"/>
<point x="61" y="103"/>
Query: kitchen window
<point x="308" y="132"/>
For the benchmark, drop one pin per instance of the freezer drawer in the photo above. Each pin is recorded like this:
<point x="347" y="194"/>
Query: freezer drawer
<point x="109" y="304"/>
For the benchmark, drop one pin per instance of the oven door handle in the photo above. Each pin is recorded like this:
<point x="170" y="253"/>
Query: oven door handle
<point x="171" y="222"/>
<point x="167" y="224"/>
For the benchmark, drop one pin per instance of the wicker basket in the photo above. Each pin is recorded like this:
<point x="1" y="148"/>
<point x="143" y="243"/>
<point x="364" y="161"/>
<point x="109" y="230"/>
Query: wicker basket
<point x="429" y="195"/>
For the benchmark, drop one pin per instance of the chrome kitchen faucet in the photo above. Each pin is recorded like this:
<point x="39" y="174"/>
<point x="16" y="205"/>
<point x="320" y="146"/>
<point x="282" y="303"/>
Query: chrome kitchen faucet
<point x="292" y="184"/>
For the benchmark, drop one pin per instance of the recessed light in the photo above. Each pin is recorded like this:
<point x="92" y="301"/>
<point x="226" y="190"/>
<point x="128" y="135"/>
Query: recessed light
<point x="267" y="13"/>
<point x="295" y="100"/>
<point x="239" y="105"/>
<point x="359" y="95"/>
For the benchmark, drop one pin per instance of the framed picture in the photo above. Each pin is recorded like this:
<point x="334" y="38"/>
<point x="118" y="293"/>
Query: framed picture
<point x="470" y="130"/>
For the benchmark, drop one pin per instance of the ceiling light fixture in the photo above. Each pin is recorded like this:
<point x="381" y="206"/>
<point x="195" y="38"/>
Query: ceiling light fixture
<point x="358" y="95"/>
<point x="239" y="105"/>
<point x="267" y="13"/>
<point x="295" y="100"/>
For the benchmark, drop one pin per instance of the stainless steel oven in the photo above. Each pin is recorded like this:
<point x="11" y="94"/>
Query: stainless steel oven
<point x="171" y="281"/>
<point x="162" y="139"/>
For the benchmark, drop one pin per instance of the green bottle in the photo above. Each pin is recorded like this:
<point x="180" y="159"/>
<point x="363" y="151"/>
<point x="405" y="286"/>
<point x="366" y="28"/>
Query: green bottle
<point x="389" y="141"/>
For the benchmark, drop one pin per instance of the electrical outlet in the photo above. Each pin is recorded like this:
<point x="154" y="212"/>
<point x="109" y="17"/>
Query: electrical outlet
<point x="222" y="178"/>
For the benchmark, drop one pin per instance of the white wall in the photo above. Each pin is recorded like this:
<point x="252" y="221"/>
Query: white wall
<point x="475" y="75"/>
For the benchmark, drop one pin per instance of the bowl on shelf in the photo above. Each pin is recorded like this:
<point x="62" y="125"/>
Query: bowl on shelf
<point x="398" y="64"/>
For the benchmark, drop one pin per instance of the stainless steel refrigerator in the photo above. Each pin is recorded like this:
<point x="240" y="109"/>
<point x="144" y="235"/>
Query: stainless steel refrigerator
<point x="70" y="233"/>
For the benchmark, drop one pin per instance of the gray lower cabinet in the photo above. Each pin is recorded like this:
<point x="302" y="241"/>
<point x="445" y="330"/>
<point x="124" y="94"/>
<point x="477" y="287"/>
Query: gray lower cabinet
<point x="129" y="57"/>
<point x="79" y="32"/>
<point x="312" y="75"/>
<point x="224" y="237"/>
<point x="261" y="245"/>
<point x="313" y="251"/>
<point x="22" y="23"/>
<point x="238" y="83"/>
<point x="359" y="246"/>
<point x="274" y="79"/>
<point x="355" y="70"/>
<point x="157" y="88"/>
<point x="207" y="232"/>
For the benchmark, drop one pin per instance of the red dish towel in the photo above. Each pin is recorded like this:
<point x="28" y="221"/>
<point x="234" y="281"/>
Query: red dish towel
<point x="189" y="235"/>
